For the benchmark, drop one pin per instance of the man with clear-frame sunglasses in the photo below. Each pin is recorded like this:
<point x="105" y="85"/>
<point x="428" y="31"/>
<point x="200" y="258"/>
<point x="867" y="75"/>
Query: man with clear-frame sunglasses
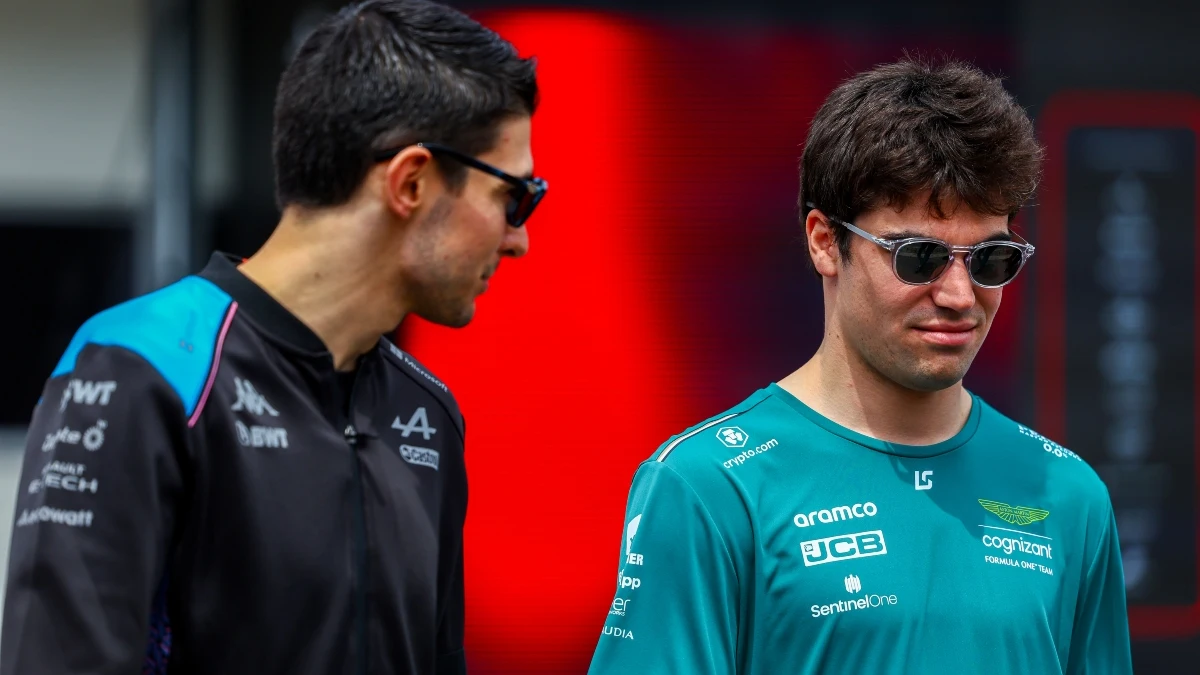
<point x="867" y="514"/>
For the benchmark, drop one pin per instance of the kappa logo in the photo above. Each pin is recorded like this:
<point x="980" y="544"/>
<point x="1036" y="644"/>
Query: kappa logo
<point x="418" y="423"/>
<point x="86" y="392"/>
<point x="249" y="400"/>
<point x="1017" y="515"/>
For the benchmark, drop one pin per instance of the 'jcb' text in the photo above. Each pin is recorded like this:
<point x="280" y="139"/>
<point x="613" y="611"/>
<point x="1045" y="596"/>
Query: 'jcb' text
<point x="843" y="547"/>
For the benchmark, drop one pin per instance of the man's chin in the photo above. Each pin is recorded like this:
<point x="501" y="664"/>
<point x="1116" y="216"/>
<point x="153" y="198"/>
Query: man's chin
<point x="449" y="317"/>
<point x="931" y="377"/>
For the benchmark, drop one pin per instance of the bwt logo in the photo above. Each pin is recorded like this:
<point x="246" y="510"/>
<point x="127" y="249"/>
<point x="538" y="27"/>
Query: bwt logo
<point x="843" y="547"/>
<point x="732" y="437"/>
<point x="632" y="583"/>
<point x="853" y="584"/>
<point x="86" y="392"/>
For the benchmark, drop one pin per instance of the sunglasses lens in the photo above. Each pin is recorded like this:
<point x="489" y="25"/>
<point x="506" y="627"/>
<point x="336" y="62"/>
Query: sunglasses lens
<point x="522" y="203"/>
<point x="920" y="262"/>
<point x="517" y="211"/>
<point x="996" y="265"/>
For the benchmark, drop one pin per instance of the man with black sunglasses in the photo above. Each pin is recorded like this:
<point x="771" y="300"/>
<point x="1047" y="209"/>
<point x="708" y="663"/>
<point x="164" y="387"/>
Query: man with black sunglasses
<point x="237" y="473"/>
<point x="867" y="514"/>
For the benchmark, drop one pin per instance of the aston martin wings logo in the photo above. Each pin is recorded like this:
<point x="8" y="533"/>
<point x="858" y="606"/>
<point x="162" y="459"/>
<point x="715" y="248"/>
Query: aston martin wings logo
<point x="1017" y="515"/>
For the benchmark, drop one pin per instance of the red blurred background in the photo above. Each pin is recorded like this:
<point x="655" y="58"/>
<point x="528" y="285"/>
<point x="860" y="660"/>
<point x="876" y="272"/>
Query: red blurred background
<point x="665" y="282"/>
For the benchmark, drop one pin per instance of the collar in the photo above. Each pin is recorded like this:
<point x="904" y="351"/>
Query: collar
<point x="265" y="310"/>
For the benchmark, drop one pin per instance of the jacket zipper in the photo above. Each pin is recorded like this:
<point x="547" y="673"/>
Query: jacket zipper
<point x="360" y="543"/>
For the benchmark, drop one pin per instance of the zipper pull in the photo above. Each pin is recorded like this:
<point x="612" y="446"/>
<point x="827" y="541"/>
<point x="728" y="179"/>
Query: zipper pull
<point x="351" y="435"/>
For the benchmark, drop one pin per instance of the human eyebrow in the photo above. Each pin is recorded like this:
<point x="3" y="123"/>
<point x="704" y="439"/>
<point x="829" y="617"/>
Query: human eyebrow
<point x="911" y="234"/>
<point x="894" y="235"/>
<point x="999" y="236"/>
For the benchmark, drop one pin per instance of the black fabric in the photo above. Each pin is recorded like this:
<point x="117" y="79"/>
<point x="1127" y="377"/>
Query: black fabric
<point x="295" y="521"/>
<point x="344" y="384"/>
<point x="258" y="304"/>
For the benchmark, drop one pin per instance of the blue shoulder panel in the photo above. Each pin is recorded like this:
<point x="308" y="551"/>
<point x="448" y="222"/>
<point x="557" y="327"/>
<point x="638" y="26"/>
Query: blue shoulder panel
<point x="174" y="328"/>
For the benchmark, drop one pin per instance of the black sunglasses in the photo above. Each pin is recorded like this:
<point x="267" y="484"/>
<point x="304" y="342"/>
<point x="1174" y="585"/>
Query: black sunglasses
<point x="525" y="193"/>
<point x="920" y="260"/>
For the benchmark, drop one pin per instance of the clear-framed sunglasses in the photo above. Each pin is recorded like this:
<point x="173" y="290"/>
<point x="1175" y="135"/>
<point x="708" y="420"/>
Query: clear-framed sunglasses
<point x="918" y="261"/>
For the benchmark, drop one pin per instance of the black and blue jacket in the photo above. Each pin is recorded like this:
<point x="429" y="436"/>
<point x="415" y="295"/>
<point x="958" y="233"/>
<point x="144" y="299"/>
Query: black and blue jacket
<point x="196" y="497"/>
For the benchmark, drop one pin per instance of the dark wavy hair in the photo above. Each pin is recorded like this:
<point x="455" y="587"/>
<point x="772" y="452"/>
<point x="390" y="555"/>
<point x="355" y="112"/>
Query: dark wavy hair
<point x="885" y="135"/>
<point x="386" y="73"/>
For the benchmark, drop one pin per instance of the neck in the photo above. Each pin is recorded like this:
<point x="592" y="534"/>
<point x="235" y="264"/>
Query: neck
<point x="854" y="395"/>
<point x="325" y="269"/>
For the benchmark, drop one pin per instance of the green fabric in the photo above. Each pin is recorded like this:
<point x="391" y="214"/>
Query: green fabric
<point x="770" y="540"/>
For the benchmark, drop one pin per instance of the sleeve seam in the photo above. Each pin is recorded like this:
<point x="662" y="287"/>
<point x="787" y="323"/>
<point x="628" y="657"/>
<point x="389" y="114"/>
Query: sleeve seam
<point x="1104" y="534"/>
<point x="708" y="515"/>
<point x="161" y="380"/>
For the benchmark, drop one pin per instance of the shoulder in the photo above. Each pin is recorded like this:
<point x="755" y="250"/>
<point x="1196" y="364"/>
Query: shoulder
<point x="706" y="450"/>
<point x="694" y="467"/>
<point x="405" y="365"/>
<point x="177" y="330"/>
<point x="1027" y="450"/>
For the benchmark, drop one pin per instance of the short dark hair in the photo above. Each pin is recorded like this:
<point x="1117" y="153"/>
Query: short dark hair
<point x="887" y="134"/>
<point x="386" y="73"/>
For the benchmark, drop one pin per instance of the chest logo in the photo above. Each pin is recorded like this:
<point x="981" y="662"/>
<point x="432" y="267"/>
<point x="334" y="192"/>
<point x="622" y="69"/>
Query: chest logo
<point x="249" y="400"/>
<point x="732" y="437"/>
<point x="1017" y="515"/>
<point x="923" y="480"/>
<point x="843" y="547"/>
<point x="418" y="423"/>
<point x="420" y="456"/>
<point x="630" y="532"/>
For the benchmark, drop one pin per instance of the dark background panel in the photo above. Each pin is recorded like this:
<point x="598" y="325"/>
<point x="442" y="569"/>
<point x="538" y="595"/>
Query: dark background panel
<point x="1130" y="268"/>
<point x="60" y="271"/>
